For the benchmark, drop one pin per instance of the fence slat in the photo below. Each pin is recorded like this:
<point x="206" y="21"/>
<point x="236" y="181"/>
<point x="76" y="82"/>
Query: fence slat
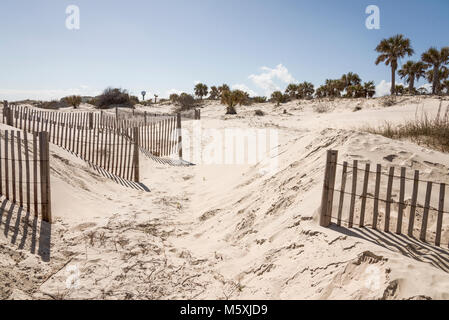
<point x="35" y="160"/>
<point x="440" y="214"/>
<point x="13" y="167"/>
<point x="411" y="222"/>
<point x="45" y="176"/>
<point x="425" y="216"/>
<point x="353" y="193"/>
<point x="19" y="158"/>
<point x="389" y="200"/>
<point x="6" y="163"/>
<point x="401" y="201"/>
<point x="342" y="191"/>
<point x="27" y="172"/>
<point x="364" y="195"/>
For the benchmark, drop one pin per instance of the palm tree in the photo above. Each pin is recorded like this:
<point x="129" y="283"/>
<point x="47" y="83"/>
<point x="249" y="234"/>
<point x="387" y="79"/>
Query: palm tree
<point x="391" y="50"/>
<point x="292" y="90"/>
<point x="201" y="90"/>
<point x="410" y="71"/>
<point x="351" y="79"/>
<point x="223" y="88"/>
<point x="436" y="59"/>
<point x="231" y="99"/>
<point x="305" y="90"/>
<point x="214" y="93"/>
<point x="369" y="89"/>
<point x="277" y="97"/>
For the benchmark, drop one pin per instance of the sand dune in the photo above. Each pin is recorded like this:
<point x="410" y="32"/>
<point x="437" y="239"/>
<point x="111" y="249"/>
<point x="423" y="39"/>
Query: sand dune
<point x="228" y="231"/>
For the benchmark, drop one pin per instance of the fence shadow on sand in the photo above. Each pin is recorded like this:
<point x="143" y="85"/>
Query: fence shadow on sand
<point x="406" y="245"/>
<point x="21" y="230"/>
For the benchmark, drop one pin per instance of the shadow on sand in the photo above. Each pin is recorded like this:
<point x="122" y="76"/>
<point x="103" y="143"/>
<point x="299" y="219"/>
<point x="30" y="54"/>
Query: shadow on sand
<point x="21" y="229"/>
<point x="408" y="246"/>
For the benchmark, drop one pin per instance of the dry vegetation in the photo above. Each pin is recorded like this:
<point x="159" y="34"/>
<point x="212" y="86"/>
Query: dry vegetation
<point x="433" y="133"/>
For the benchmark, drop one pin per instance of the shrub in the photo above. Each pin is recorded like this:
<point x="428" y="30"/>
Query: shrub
<point x="186" y="101"/>
<point x="322" y="108"/>
<point x="230" y="99"/>
<point x="279" y="98"/>
<point x="73" y="101"/>
<point x="433" y="133"/>
<point x="174" y="98"/>
<point x="259" y="99"/>
<point x="259" y="113"/>
<point x="113" y="97"/>
<point x="53" y="105"/>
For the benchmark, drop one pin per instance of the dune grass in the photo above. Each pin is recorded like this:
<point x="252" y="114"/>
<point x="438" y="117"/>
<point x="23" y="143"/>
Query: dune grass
<point x="429" y="132"/>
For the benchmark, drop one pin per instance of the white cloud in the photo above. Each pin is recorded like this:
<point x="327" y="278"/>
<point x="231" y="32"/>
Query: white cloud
<point x="245" y="88"/>
<point x="269" y="79"/>
<point x="384" y="88"/>
<point x="427" y="86"/>
<point x="46" y="94"/>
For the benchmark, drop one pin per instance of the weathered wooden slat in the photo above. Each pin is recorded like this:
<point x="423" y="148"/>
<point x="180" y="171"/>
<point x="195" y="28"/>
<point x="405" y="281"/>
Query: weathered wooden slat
<point x="342" y="191"/>
<point x="353" y="193"/>
<point x="411" y="222"/>
<point x="35" y="175"/>
<point x="13" y="167"/>
<point x="401" y="201"/>
<point x="20" y="165"/>
<point x="27" y="173"/>
<point x="440" y="214"/>
<point x="425" y="216"/>
<point x="388" y="200"/>
<point x="45" y="177"/>
<point x="364" y="195"/>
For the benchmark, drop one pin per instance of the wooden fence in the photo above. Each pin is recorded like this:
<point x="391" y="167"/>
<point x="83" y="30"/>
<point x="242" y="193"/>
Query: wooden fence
<point x="102" y="139"/>
<point x="384" y="200"/>
<point x="25" y="171"/>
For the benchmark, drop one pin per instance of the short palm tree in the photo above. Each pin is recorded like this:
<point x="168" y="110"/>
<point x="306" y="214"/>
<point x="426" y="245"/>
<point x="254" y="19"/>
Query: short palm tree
<point x="412" y="71"/>
<point x="369" y="89"/>
<point x="214" y="93"/>
<point x="292" y="90"/>
<point x="391" y="50"/>
<point x="437" y="59"/>
<point x="306" y="90"/>
<point x="201" y="90"/>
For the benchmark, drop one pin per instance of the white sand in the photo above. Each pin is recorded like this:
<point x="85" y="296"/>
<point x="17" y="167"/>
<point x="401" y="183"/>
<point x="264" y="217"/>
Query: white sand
<point x="219" y="232"/>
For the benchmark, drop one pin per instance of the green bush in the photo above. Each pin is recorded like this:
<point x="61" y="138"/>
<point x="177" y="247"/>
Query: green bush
<point x="73" y="101"/>
<point x="259" y="99"/>
<point x="112" y="97"/>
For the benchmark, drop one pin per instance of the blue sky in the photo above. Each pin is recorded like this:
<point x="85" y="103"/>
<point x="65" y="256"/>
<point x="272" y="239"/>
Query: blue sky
<point x="166" y="46"/>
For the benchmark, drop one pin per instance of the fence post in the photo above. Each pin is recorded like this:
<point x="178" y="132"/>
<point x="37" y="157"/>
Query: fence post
<point x="178" y="127"/>
<point x="44" y="154"/>
<point x="91" y="120"/>
<point x="328" y="188"/>
<point x="116" y="113"/>
<point x="136" y="154"/>
<point x="5" y="111"/>
<point x="145" y="118"/>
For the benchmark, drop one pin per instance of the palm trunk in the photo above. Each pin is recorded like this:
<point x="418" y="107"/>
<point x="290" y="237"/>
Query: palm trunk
<point x="436" y="80"/>
<point x="411" y="85"/>
<point x="393" y="80"/>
